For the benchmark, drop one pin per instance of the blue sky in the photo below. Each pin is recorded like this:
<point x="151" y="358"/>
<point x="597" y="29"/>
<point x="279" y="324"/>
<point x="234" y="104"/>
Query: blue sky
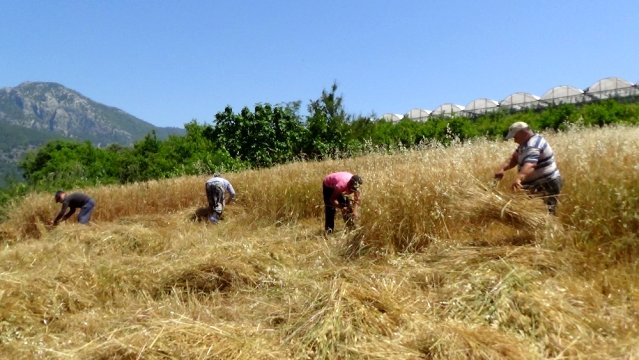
<point x="168" y="62"/>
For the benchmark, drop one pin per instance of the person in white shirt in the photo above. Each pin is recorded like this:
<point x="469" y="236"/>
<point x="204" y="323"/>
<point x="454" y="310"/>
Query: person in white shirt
<point x="216" y="187"/>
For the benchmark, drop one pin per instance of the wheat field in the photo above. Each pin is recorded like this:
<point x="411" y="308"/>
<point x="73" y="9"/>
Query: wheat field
<point x="443" y="264"/>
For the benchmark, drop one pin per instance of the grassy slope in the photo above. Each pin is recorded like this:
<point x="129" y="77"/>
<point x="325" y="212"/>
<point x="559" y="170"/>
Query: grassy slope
<point x="443" y="265"/>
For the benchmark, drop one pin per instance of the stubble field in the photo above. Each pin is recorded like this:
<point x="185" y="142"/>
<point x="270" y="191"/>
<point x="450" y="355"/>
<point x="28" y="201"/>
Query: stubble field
<point x="443" y="265"/>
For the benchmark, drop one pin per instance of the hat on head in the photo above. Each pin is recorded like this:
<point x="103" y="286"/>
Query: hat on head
<point x="356" y="181"/>
<point x="515" y="128"/>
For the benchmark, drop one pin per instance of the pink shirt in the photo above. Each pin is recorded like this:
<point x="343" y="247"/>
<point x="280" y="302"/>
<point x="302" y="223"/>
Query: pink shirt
<point x="338" y="181"/>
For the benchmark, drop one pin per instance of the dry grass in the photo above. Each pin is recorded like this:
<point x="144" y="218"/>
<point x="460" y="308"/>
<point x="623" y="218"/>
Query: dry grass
<point x="443" y="265"/>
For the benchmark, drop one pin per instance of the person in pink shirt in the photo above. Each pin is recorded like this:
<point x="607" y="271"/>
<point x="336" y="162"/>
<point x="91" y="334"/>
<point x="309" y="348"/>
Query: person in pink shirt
<point x="335" y="187"/>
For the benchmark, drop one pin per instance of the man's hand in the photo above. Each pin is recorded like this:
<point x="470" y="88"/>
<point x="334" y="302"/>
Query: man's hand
<point x="343" y="206"/>
<point x="499" y="175"/>
<point x="516" y="186"/>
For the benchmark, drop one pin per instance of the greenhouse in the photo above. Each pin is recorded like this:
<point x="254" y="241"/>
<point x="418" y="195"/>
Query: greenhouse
<point x="520" y="100"/>
<point x="448" y="110"/>
<point x="564" y="94"/>
<point x="611" y="87"/>
<point x="481" y="106"/>
<point x="418" y="114"/>
<point x="392" y="117"/>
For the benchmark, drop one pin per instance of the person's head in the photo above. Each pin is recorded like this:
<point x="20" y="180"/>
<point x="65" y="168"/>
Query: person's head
<point x="520" y="131"/>
<point x="59" y="196"/>
<point x="355" y="182"/>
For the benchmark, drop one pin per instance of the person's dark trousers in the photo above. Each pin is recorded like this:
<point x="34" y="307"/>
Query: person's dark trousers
<point x="215" y="197"/>
<point x="85" y="212"/>
<point x="329" y="209"/>
<point x="549" y="190"/>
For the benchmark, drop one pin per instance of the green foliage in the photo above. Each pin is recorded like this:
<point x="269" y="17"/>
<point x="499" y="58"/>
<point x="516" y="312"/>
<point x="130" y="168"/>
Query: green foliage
<point x="65" y="164"/>
<point x="262" y="138"/>
<point x="611" y="111"/>
<point x="367" y="132"/>
<point x="328" y="126"/>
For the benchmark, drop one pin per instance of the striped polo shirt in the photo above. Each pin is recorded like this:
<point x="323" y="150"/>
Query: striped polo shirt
<point x="537" y="151"/>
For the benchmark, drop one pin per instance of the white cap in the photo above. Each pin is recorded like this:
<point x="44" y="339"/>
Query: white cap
<point x="515" y="128"/>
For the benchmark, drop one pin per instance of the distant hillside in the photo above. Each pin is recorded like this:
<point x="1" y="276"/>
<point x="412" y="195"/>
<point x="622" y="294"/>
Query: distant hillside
<point x="54" y="109"/>
<point x="33" y="113"/>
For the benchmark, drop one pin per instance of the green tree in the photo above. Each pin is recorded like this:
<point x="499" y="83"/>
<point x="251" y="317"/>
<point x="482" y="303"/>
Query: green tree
<point x="265" y="137"/>
<point x="328" y="125"/>
<point x="143" y="163"/>
<point x="64" y="163"/>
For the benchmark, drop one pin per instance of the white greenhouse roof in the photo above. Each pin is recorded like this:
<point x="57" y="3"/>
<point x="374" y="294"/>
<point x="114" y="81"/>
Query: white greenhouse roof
<point x="447" y="109"/>
<point x="610" y="83"/>
<point x="611" y="87"/>
<point x="564" y="94"/>
<point x="520" y="100"/>
<point x="418" y="114"/>
<point x="481" y="106"/>
<point x="392" y="117"/>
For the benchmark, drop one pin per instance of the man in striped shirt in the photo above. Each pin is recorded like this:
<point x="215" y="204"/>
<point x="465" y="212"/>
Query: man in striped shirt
<point x="537" y="171"/>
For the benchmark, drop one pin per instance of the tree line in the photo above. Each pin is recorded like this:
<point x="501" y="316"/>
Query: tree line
<point x="269" y="135"/>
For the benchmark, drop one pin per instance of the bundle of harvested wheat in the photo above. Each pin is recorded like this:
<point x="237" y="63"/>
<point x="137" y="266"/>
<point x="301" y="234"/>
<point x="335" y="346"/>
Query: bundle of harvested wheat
<point x="480" y="204"/>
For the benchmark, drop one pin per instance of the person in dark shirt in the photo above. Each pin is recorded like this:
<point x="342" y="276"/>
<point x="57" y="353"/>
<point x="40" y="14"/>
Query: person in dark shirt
<point x="71" y="202"/>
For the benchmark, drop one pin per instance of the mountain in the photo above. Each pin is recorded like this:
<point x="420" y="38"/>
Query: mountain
<point x="56" y="110"/>
<point x="33" y="113"/>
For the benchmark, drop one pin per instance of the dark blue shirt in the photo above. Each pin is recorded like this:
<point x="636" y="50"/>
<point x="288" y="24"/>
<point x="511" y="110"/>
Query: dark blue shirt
<point x="72" y="202"/>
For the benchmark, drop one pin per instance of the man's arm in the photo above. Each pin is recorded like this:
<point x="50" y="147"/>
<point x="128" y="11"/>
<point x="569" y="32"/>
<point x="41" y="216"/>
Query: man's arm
<point x="68" y="215"/>
<point x="231" y="192"/>
<point x="506" y="165"/>
<point x="334" y="201"/>
<point x="524" y="172"/>
<point x="60" y="215"/>
<point x="357" y="198"/>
